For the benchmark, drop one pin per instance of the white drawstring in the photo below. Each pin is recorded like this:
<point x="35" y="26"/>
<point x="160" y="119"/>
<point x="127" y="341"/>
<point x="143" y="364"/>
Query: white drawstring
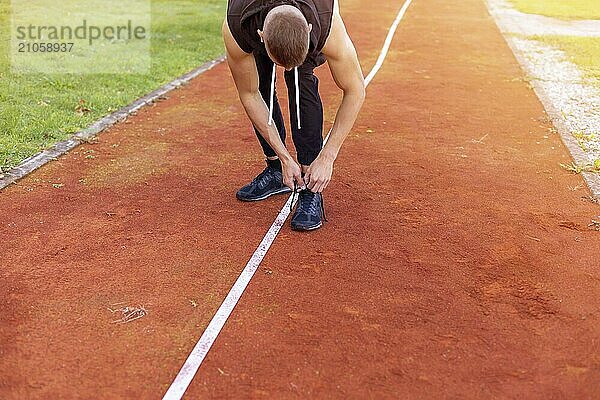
<point x="297" y="96"/>
<point x="272" y="93"/>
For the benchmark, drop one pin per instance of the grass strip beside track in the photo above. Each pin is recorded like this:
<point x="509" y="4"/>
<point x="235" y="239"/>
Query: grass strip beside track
<point x="36" y="111"/>
<point x="571" y="9"/>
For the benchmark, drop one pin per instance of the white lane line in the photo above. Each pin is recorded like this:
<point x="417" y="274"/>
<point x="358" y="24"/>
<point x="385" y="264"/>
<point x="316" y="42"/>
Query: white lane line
<point x="189" y="369"/>
<point x="387" y="43"/>
<point x="199" y="352"/>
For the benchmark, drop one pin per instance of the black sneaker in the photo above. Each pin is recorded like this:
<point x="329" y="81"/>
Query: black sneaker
<point x="309" y="213"/>
<point x="267" y="183"/>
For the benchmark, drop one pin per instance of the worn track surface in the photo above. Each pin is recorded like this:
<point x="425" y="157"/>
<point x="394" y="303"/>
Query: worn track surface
<point x="457" y="262"/>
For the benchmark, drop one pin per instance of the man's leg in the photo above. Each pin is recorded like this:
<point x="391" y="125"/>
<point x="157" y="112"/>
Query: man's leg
<point x="308" y="140"/>
<point x="269" y="181"/>
<point x="264" y="66"/>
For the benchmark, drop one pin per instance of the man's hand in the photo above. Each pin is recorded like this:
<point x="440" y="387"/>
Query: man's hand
<point x="318" y="174"/>
<point x="291" y="172"/>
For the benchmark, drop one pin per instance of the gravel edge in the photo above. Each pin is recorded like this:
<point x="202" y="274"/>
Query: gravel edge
<point x="552" y="109"/>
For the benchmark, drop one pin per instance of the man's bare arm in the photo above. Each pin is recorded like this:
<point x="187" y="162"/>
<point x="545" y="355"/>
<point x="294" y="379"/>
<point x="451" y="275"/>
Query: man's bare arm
<point x="245" y="76"/>
<point x="347" y="74"/>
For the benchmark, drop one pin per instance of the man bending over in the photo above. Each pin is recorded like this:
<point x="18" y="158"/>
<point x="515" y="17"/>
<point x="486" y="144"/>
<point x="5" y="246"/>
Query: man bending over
<point x="298" y="35"/>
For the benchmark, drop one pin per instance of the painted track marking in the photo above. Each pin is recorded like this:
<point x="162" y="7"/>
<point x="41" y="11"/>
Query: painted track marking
<point x="200" y="350"/>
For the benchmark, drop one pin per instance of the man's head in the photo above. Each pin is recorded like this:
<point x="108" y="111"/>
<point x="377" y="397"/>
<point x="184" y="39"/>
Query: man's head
<point x="286" y="35"/>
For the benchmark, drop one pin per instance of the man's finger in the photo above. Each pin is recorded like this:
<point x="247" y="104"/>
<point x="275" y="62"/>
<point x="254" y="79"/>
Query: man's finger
<point x="289" y="183"/>
<point x="299" y="181"/>
<point x="312" y="184"/>
<point x="322" y="186"/>
<point x="306" y="177"/>
<point x="318" y="185"/>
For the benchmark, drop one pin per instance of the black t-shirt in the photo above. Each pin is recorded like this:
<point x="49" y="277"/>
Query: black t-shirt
<point x="245" y="17"/>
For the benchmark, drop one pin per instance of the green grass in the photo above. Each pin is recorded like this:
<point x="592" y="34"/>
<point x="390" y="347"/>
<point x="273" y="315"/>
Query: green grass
<point x="583" y="51"/>
<point x="563" y="9"/>
<point x="39" y="110"/>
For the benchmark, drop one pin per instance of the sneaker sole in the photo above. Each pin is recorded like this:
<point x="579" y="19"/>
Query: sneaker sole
<point x="312" y="228"/>
<point x="280" y="191"/>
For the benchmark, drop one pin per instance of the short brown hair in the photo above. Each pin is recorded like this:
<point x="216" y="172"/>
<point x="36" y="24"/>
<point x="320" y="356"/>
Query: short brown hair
<point x="286" y="37"/>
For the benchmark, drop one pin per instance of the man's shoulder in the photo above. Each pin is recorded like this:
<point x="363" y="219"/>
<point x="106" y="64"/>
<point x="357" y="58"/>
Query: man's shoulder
<point x="337" y="35"/>
<point x="234" y="29"/>
<point x="234" y="50"/>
